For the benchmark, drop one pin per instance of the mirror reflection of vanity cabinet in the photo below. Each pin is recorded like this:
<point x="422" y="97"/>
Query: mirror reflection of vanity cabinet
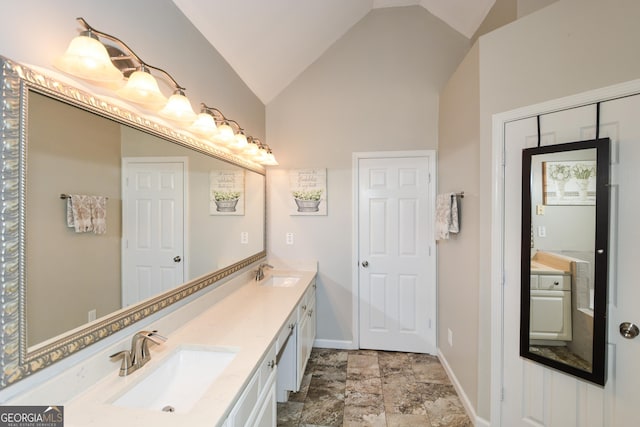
<point x="58" y="139"/>
<point x="564" y="257"/>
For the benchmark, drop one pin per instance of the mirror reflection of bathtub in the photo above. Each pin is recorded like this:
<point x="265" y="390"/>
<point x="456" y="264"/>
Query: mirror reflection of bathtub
<point x="561" y="318"/>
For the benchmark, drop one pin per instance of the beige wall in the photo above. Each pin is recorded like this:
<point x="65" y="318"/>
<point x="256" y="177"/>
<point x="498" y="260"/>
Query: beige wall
<point x="458" y="169"/>
<point x="58" y="271"/>
<point x="375" y="89"/>
<point x="548" y="54"/>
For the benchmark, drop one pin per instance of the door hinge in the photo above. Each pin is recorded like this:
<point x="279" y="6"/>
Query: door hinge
<point x="502" y="394"/>
<point x="429" y="175"/>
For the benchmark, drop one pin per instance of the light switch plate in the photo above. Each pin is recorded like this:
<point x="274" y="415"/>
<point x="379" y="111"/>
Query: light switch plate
<point x="289" y="238"/>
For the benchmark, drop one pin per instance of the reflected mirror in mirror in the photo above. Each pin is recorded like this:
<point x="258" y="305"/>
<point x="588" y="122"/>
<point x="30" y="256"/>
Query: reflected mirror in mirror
<point x="565" y="221"/>
<point x="163" y="224"/>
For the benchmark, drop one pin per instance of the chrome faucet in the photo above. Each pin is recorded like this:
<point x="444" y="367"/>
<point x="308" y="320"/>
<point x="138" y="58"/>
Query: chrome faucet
<point x="139" y="354"/>
<point x="260" y="271"/>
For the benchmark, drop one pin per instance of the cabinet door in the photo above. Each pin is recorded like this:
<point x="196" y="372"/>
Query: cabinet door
<point x="550" y="315"/>
<point x="266" y="416"/>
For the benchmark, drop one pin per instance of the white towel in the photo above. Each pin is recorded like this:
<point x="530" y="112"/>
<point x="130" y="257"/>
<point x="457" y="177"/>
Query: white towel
<point x="87" y="213"/>
<point x="446" y="215"/>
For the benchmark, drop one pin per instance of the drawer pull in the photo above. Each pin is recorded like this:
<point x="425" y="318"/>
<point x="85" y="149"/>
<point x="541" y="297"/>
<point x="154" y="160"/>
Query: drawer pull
<point x="304" y="307"/>
<point x="556" y="283"/>
<point x="271" y="363"/>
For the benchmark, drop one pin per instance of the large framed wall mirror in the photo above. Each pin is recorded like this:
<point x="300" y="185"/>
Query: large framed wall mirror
<point x="165" y="236"/>
<point x="565" y="236"/>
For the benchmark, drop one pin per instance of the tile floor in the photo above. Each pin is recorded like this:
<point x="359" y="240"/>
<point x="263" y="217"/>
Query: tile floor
<point x="373" y="388"/>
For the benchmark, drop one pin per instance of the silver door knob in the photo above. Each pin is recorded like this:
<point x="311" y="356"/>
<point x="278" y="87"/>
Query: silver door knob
<point x="365" y="264"/>
<point x="629" y="330"/>
<point x="177" y="258"/>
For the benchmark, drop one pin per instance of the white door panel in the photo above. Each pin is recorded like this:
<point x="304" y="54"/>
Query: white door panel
<point x="153" y="227"/>
<point x="539" y="396"/>
<point x="397" y="280"/>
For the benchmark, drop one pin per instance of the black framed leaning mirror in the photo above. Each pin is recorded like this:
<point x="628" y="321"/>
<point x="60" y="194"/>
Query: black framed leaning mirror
<point x="565" y="236"/>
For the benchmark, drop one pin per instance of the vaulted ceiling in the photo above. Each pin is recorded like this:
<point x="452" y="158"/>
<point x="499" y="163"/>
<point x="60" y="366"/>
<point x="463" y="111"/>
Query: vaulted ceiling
<point x="270" y="42"/>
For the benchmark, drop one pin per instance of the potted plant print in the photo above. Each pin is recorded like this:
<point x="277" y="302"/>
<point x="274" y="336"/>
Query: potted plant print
<point x="307" y="200"/>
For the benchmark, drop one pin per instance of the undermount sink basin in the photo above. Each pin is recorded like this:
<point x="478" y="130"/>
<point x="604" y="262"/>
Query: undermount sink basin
<point x="179" y="381"/>
<point x="281" y="281"/>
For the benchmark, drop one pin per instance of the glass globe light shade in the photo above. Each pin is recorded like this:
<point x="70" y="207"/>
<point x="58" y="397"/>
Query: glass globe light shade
<point x="240" y="142"/>
<point x="225" y="134"/>
<point x="88" y="59"/>
<point x="269" y="160"/>
<point x="142" y="88"/>
<point x="204" y="125"/>
<point x="251" y="149"/>
<point x="178" y="109"/>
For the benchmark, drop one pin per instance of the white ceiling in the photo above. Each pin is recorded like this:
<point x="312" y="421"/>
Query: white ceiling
<point x="270" y="42"/>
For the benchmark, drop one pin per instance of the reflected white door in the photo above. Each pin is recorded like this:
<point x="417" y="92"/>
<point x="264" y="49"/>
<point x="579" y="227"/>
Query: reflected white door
<point x="538" y="396"/>
<point x="397" y="308"/>
<point x="153" y="227"/>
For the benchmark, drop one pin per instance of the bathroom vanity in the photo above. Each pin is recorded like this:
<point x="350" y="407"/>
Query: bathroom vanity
<point x="246" y="331"/>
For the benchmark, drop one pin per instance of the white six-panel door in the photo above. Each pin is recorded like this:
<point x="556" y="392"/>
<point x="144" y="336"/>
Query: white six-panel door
<point x="153" y="227"/>
<point x="534" y="395"/>
<point x="397" y="268"/>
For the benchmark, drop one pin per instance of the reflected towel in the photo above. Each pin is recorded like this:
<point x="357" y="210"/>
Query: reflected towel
<point x="446" y="215"/>
<point x="99" y="214"/>
<point x="87" y="213"/>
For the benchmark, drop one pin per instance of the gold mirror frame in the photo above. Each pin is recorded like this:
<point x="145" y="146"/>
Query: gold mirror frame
<point x="16" y="362"/>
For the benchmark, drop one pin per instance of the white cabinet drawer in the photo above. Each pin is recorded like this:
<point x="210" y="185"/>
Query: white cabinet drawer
<point x="555" y="282"/>
<point x="285" y="332"/>
<point x="267" y="366"/>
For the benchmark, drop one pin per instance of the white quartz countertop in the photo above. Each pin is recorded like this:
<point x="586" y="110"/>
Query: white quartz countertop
<point x="248" y="320"/>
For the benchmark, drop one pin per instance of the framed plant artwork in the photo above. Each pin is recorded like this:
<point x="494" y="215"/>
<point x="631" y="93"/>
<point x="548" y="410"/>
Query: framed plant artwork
<point x="569" y="183"/>
<point x="226" y="192"/>
<point x="308" y="189"/>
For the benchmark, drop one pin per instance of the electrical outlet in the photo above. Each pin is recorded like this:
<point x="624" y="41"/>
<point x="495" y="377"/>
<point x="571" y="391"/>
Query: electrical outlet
<point x="289" y="238"/>
<point x="450" y="337"/>
<point x="542" y="231"/>
<point x="244" y="237"/>
<point x="539" y="209"/>
<point x="92" y="315"/>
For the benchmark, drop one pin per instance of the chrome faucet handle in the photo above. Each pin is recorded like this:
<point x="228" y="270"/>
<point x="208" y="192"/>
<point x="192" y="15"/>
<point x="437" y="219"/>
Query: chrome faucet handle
<point x="140" y="346"/>
<point x="127" y="365"/>
<point x="154" y="337"/>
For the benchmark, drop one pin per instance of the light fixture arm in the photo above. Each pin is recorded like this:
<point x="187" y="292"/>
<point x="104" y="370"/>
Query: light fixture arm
<point x="130" y="53"/>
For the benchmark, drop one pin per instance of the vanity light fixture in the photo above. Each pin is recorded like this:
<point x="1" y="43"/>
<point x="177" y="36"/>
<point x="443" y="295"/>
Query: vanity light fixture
<point x="264" y="156"/>
<point x="205" y="123"/>
<point x="142" y="88"/>
<point x="88" y="58"/>
<point x="252" y="148"/>
<point x="178" y="108"/>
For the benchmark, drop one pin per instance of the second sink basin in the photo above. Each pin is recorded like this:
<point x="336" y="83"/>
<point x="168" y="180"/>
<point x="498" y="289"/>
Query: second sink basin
<point x="179" y="381"/>
<point x="281" y="281"/>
